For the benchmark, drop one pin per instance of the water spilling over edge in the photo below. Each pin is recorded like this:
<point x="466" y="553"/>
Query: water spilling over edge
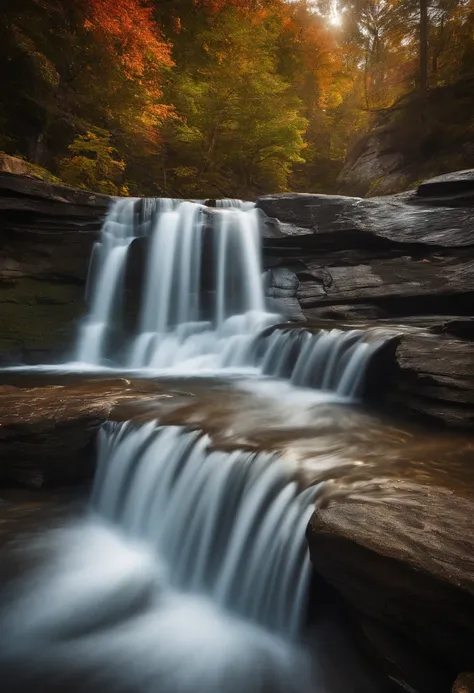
<point x="190" y="574"/>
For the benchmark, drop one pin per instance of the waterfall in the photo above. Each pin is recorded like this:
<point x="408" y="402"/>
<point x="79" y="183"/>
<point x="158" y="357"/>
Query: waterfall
<point x="233" y="202"/>
<point x="211" y="516"/>
<point x="190" y="572"/>
<point x="202" y="295"/>
<point x="202" y="305"/>
<point x="334" y="360"/>
<point x="190" y="575"/>
<point x="110" y="255"/>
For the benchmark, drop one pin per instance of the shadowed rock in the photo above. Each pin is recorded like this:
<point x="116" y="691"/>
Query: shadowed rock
<point x="46" y="233"/>
<point x="407" y="567"/>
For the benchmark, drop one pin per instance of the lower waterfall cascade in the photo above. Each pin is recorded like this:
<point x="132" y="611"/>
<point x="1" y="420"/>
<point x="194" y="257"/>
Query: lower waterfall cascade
<point x="239" y="504"/>
<point x="189" y="572"/>
<point x="163" y="587"/>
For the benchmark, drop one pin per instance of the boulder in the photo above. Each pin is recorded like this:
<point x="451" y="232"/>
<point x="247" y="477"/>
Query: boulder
<point x="12" y="164"/>
<point x="407" y="570"/>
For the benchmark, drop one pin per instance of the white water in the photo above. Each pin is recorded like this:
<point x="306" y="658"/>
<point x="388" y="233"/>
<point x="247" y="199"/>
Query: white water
<point x="193" y="314"/>
<point x="329" y="360"/>
<point x="202" y="303"/>
<point x="110" y="255"/>
<point x="211" y="516"/>
<point x="192" y="577"/>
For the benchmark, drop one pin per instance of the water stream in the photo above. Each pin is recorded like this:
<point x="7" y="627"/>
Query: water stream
<point x="192" y="315"/>
<point x="189" y="572"/>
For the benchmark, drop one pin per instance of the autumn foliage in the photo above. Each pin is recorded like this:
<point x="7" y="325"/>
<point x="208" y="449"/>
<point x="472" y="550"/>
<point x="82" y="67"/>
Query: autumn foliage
<point x="127" y="29"/>
<point x="209" y="98"/>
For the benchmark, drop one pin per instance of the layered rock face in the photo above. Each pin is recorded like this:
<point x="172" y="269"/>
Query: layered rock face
<point x="420" y="136"/>
<point x="406" y="260"/>
<point x="46" y="234"/>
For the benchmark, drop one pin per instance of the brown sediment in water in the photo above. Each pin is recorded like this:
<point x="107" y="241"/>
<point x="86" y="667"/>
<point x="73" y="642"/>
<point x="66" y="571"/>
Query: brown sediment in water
<point x="408" y="557"/>
<point x="322" y="440"/>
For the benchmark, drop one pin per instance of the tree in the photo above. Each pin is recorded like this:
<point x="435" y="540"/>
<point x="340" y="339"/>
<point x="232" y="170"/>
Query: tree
<point x="93" y="165"/>
<point x="423" y="45"/>
<point x="238" y="128"/>
<point x="53" y="53"/>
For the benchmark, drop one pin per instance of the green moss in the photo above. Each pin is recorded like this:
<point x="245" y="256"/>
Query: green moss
<point x="39" y="315"/>
<point x="374" y="185"/>
<point x="42" y="173"/>
<point x="38" y="171"/>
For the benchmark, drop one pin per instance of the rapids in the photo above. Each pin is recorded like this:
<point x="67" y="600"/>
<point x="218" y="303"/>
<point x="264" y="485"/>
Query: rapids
<point x="189" y="571"/>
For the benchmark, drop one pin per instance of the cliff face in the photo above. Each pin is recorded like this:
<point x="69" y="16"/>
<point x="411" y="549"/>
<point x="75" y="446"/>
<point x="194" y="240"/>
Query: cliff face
<point x="46" y="237"/>
<point x="419" y="137"/>
<point x="405" y="260"/>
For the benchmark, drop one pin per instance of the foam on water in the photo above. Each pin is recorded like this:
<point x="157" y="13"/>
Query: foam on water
<point x="100" y="615"/>
<point x="192" y="315"/>
<point x="190" y="576"/>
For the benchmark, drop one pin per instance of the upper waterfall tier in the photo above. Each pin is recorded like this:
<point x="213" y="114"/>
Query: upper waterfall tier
<point x="199" y="302"/>
<point x="201" y="296"/>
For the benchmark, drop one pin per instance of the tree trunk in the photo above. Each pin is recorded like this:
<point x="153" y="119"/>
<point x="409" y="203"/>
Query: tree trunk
<point x="423" y="45"/>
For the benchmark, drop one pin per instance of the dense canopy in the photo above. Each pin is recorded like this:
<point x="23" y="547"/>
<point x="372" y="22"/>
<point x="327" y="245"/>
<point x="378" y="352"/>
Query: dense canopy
<point x="207" y="98"/>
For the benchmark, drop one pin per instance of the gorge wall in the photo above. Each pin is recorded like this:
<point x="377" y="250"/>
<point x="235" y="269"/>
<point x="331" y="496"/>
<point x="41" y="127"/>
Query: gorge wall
<point x="46" y="237"/>
<point x="420" y="136"/>
<point x="405" y="260"/>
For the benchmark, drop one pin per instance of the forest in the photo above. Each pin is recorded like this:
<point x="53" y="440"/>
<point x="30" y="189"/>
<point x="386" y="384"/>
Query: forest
<point x="214" y="98"/>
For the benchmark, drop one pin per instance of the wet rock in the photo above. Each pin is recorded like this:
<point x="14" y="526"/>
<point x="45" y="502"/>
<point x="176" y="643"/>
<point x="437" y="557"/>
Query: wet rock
<point x="458" y="185"/>
<point x="46" y="235"/>
<point x="407" y="566"/>
<point x="435" y="377"/>
<point x="281" y="290"/>
<point x="406" y="259"/>
<point x="48" y="432"/>
<point x="393" y="223"/>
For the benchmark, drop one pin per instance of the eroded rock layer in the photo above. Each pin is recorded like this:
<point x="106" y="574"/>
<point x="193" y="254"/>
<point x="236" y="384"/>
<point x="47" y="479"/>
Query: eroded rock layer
<point x="407" y="572"/>
<point x="46" y="237"/>
<point x="405" y="260"/>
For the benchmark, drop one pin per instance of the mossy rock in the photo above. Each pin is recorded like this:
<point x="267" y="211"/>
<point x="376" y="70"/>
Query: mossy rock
<point x="39" y="315"/>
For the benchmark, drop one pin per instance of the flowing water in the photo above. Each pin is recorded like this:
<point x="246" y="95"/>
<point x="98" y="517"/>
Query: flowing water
<point x="192" y="315"/>
<point x="190" y="570"/>
<point x="163" y="587"/>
